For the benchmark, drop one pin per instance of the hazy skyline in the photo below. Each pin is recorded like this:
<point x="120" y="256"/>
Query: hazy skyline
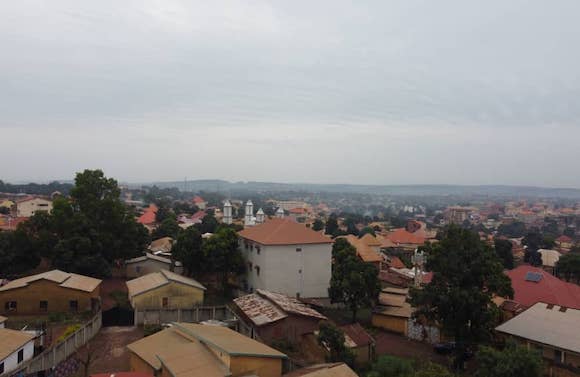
<point x="376" y="92"/>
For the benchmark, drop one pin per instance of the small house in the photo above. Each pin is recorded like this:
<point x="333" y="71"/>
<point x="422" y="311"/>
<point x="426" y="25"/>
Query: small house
<point x="49" y="292"/>
<point x="195" y="350"/>
<point x="16" y="347"/>
<point x="164" y="290"/>
<point x="149" y="263"/>
<point x="275" y="316"/>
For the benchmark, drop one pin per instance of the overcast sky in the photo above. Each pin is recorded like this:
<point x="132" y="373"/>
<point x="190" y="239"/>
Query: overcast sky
<point x="374" y="92"/>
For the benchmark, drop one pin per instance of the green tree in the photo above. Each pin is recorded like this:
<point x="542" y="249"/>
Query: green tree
<point x="332" y="338"/>
<point x="503" y="249"/>
<point x="208" y="224"/>
<point x="353" y="282"/>
<point x="89" y="231"/>
<point x="391" y="366"/>
<point x="433" y="370"/>
<point x="568" y="267"/>
<point x="317" y="225"/>
<point x="224" y="257"/>
<point x="513" y="361"/>
<point x="188" y="250"/>
<point x="332" y="225"/>
<point x="466" y="274"/>
<point x="168" y="228"/>
<point x="365" y="230"/>
<point x="17" y="254"/>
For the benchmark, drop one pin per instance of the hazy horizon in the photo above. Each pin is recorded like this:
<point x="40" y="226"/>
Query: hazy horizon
<point x="399" y="92"/>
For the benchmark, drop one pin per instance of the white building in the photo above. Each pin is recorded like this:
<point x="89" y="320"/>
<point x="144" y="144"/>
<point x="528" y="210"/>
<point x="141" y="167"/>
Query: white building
<point x="227" y="219"/>
<point x="16" y="347"/>
<point x="287" y="257"/>
<point x="29" y="206"/>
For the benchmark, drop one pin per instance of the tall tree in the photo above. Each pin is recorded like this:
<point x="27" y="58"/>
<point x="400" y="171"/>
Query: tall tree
<point x="353" y="282"/>
<point x="332" y="338"/>
<point x="317" y="225"/>
<point x="568" y="267"/>
<point x="168" y="228"/>
<point x="513" y="361"/>
<point x="208" y="224"/>
<point x="89" y="231"/>
<point x="188" y="250"/>
<point x="503" y="249"/>
<point x="466" y="274"/>
<point x="332" y="225"/>
<point x="224" y="256"/>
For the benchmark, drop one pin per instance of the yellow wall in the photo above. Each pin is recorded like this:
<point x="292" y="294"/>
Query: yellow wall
<point x="28" y="298"/>
<point x="261" y="366"/>
<point x="394" y="324"/>
<point x="180" y="296"/>
<point x="137" y="364"/>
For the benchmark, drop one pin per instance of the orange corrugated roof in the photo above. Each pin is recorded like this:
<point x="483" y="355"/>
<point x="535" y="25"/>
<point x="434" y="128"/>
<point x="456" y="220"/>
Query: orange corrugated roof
<point x="147" y="218"/>
<point x="283" y="232"/>
<point x="402" y="236"/>
<point x="363" y="250"/>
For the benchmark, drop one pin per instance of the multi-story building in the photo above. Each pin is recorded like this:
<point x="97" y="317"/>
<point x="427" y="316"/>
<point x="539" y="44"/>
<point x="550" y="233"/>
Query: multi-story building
<point x="287" y="257"/>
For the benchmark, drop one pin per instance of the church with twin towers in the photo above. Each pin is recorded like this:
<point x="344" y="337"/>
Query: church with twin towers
<point x="250" y="219"/>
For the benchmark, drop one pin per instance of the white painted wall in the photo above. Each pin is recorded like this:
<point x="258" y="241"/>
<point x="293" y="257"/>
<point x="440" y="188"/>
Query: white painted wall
<point x="29" y="207"/>
<point x="284" y="270"/>
<point x="11" y="362"/>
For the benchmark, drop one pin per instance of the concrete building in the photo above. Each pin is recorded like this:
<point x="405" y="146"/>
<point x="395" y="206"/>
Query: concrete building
<point x="50" y="292"/>
<point x="287" y="257"/>
<point x="194" y="350"/>
<point x="16" y="347"/>
<point x="227" y="218"/>
<point x="29" y="206"/>
<point x="164" y="290"/>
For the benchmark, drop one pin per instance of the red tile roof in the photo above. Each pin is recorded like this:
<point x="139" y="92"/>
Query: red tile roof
<point x="298" y="211"/>
<point x="199" y="215"/>
<point x="396" y="262"/>
<point x="147" y="218"/>
<point x="402" y="236"/>
<point x="11" y="223"/>
<point x="564" y="238"/>
<point x="549" y="289"/>
<point x="283" y="232"/>
<point x="198" y="199"/>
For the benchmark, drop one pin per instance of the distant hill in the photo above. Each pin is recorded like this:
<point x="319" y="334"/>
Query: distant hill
<point x="396" y="190"/>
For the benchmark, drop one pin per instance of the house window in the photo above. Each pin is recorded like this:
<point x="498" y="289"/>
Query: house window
<point x="43" y="306"/>
<point x="165" y="302"/>
<point x="1" y="367"/>
<point x="10" y="306"/>
<point x="138" y="269"/>
<point x="73" y="306"/>
<point x="558" y="356"/>
<point x="258" y="270"/>
<point x="258" y="249"/>
<point x="298" y="249"/>
<point x="20" y="356"/>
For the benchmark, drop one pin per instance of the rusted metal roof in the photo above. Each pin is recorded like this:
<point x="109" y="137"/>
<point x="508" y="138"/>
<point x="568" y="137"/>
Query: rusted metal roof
<point x="290" y="304"/>
<point x="259" y="310"/>
<point x="265" y="307"/>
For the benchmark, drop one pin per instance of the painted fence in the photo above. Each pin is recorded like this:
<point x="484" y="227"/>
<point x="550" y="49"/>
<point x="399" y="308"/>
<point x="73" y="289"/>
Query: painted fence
<point x="193" y="315"/>
<point x="58" y="353"/>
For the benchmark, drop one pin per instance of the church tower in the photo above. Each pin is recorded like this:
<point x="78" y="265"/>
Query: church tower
<point x="249" y="219"/>
<point x="280" y="213"/>
<point x="227" y="212"/>
<point x="260" y="216"/>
